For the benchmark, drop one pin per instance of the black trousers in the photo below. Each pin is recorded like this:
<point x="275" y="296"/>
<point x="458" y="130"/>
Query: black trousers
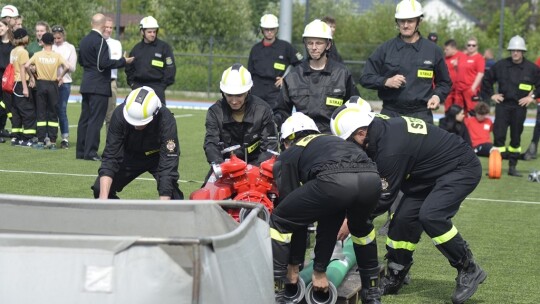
<point x="325" y="200"/>
<point x="130" y="169"/>
<point x="47" y="117"/>
<point x="432" y="211"/>
<point x="93" y="110"/>
<point x="536" y="132"/>
<point x="5" y="109"/>
<point x="511" y="116"/>
<point x="23" y="112"/>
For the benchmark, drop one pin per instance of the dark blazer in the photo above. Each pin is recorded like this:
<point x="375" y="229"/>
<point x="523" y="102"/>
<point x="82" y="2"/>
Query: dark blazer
<point x="96" y="77"/>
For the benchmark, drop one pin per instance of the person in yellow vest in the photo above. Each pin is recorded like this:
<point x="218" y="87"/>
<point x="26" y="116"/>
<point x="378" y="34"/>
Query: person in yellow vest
<point x="46" y="63"/>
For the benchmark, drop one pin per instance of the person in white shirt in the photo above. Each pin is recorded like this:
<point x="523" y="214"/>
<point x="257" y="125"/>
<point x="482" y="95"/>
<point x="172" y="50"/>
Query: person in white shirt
<point x="67" y="50"/>
<point x="115" y="48"/>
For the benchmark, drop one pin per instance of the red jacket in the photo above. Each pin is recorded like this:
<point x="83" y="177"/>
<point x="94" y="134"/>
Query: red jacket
<point x="480" y="132"/>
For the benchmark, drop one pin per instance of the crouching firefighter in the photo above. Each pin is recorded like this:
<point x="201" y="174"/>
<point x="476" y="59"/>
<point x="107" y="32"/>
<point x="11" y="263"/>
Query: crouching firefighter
<point x="435" y="170"/>
<point x="322" y="178"/>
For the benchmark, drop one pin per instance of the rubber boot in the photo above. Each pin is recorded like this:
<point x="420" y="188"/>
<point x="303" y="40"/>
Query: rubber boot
<point x="531" y="152"/>
<point x="512" y="162"/>
<point x="470" y="275"/>
<point x="279" y="291"/>
<point x="395" y="276"/>
<point x="370" y="293"/>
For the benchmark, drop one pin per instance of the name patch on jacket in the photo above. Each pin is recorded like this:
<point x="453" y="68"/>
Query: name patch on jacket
<point x="415" y="125"/>
<point x="279" y="66"/>
<point x="525" y="87"/>
<point x="157" y="63"/>
<point x="334" y="102"/>
<point x="425" y="74"/>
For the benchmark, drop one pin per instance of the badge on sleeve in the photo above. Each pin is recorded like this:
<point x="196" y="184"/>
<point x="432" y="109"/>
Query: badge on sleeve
<point x="171" y="145"/>
<point x="168" y="60"/>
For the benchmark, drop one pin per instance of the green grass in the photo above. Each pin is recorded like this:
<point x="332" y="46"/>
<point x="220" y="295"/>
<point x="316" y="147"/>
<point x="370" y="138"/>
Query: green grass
<point x="502" y="229"/>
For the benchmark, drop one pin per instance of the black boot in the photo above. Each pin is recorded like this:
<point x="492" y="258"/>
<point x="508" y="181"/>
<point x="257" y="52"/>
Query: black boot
<point x="512" y="162"/>
<point x="531" y="152"/>
<point x="395" y="277"/>
<point x="370" y="293"/>
<point x="279" y="291"/>
<point x="470" y="275"/>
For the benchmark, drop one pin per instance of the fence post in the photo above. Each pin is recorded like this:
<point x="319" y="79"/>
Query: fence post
<point x="210" y="63"/>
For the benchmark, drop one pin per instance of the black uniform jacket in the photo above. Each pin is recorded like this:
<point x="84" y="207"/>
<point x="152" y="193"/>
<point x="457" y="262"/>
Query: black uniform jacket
<point x="315" y="154"/>
<point x="411" y="154"/>
<point x="97" y="64"/>
<point x="269" y="62"/>
<point x="515" y="80"/>
<point x="422" y="64"/>
<point x="315" y="93"/>
<point x="153" y="64"/>
<point x="256" y="133"/>
<point x="158" y="139"/>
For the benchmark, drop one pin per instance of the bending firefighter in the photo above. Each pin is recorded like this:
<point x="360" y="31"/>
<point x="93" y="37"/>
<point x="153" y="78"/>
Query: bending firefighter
<point x="322" y="178"/>
<point x="435" y="170"/>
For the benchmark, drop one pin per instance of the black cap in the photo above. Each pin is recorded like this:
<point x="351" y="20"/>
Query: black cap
<point x="47" y="38"/>
<point x="20" y="33"/>
<point x="433" y="37"/>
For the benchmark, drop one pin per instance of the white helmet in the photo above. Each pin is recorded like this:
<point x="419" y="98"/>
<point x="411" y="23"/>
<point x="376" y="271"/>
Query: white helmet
<point x="517" y="43"/>
<point x="318" y="29"/>
<point x="140" y="106"/>
<point x="9" y="11"/>
<point x="236" y="80"/>
<point x="269" y="21"/>
<point x="297" y="122"/>
<point x="408" y="9"/>
<point x="349" y="117"/>
<point x="148" y="23"/>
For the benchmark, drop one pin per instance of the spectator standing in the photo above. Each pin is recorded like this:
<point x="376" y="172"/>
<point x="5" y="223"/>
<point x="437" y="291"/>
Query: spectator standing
<point x="323" y="188"/>
<point x="480" y="127"/>
<point x="451" y="57"/>
<point x="518" y="82"/>
<point x="239" y="118"/>
<point x="142" y="137"/>
<point x="95" y="88"/>
<point x="6" y="46"/>
<point x="154" y="61"/>
<point x="10" y="14"/>
<point x="453" y="123"/>
<point x="269" y="61"/>
<point x="408" y="87"/>
<point x="318" y="85"/>
<point x="35" y="46"/>
<point x="115" y="47"/>
<point x="489" y="58"/>
<point x="23" y="108"/>
<point x="68" y="52"/>
<point x="47" y="64"/>
<point x="469" y="76"/>
<point x="433" y="37"/>
<point x="332" y="52"/>
<point x="18" y="23"/>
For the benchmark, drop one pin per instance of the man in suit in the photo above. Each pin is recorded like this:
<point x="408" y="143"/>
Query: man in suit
<point x="95" y="88"/>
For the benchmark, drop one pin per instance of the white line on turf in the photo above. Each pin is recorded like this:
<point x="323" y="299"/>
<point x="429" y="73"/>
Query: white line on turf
<point x="501" y="201"/>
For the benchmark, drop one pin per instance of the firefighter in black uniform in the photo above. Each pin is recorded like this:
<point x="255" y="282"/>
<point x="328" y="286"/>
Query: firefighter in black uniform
<point x="435" y="170"/>
<point x="408" y="71"/>
<point x="142" y="137"/>
<point x="318" y="85"/>
<point x="269" y="60"/>
<point x="239" y="118"/>
<point x="519" y="84"/>
<point x="322" y="178"/>
<point x="154" y="61"/>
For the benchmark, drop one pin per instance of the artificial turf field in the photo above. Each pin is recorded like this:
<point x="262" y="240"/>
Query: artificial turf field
<point x="500" y="219"/>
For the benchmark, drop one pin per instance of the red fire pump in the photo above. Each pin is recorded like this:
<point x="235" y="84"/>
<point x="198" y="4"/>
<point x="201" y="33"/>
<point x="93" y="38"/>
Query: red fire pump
<point x="235" y="179"/>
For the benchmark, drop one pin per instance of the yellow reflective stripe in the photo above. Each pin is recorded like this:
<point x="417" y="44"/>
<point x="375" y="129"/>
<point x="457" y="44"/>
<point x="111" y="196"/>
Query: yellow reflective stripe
<point x="334" y="102"/>
<point x="253" y="147"/>
<point x="525" y="87"/>
<point x="52" y="124"/>
<point x="364" y="240"/>
<point x="151" y="152"/>
<point x="305" y="141"/>
<point x="146" y="104"/>
<point x="29" y="131"/>
<point x="280" y="237"/>
<point x="400" y="244"/>
<point x="9" y="115"/>
<point x="157" y="63"/>
<point x="514" y="150"/>
<point x="445" y="237"/>
<point x="279" y="66"/>
<point x="424" y="74"/>
<point x="16" y="130"/>
<point x="2" y="104"/>
<point x="501" y="149"/>
<point x="41" y="123"/>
